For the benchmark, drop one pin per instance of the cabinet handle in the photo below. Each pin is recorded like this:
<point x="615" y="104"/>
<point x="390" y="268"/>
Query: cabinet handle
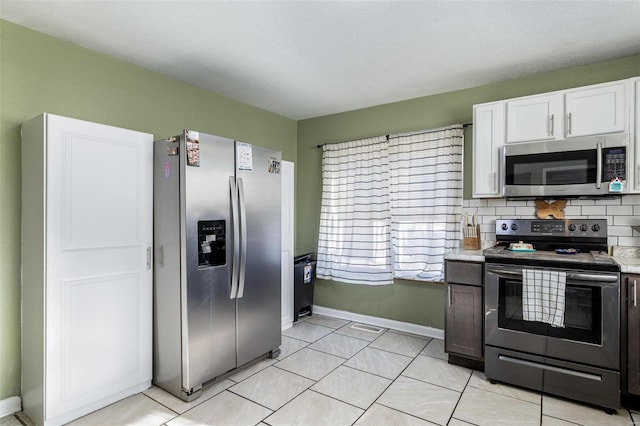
<point x="449" y="294"/>
<point x="569" y="124"/>
<point x="148" y="257"/>
<point x="551" y="125"/>
<point x="635" y="300"/>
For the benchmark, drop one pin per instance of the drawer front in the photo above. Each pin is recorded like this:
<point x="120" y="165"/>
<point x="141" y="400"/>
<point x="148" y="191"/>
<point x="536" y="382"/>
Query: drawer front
<point x="458" y="272"/>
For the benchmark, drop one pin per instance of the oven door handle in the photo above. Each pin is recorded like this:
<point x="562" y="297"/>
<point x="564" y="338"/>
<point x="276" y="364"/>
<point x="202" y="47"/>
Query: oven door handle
<point x="505" y="272"/>
<point x="608" y="278"/>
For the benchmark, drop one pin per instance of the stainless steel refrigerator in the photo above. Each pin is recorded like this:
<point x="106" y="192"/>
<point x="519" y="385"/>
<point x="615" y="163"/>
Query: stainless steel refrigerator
<point x="217" y="259"/>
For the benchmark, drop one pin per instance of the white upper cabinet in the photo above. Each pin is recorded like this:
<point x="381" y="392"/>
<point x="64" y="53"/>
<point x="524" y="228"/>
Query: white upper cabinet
<point x="535" y="118"/>
<point x="584" y="111"/>
<point x="488" y="138"/>
<point x="595" y="110"/>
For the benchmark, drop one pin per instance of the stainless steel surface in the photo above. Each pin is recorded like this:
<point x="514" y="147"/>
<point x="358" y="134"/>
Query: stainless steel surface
<point x="259" y="310"/>
<point x="598" y="164"/>
<point x="596" y="143"/>
<point x="589" y="236"/>
<point x="243" y="239"/>
<point x="573" y="144"/>
<point x="167" y="351"/>
<point x="590" y="277"/>
<point x="562" y="360"/>
<point x="605" y="354"/>
<point x="236" y="237"/>
<point x="558" y="229"/>
<point x="584" y="383"/>
<point x="588" y="260"/>
<point x="596" y="377"/>
<point x="210" y="312"/>
<point x="200" y="324"/>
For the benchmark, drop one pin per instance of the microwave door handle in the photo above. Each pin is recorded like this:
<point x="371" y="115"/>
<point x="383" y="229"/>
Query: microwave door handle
<point x="598" y="165"/>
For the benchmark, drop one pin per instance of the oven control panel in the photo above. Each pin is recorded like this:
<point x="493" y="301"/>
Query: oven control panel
<point x="576" y="228"/>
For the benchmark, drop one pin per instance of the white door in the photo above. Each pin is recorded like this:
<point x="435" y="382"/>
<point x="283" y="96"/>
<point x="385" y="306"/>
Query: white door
<point x="99" y="278"/>
<point x="488" y="138"/>
<point x="288" y="214"/>
<point x="595" y="110"/>
<point x="535" y="118"/>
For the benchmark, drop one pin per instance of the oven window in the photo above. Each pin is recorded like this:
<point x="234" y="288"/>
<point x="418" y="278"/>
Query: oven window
<point x="582" y="315"/>
<point x="558" y="168"/>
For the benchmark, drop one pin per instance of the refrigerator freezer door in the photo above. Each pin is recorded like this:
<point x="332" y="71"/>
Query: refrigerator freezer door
<point x="259" y="307"/>
<point x="209" y="336"/>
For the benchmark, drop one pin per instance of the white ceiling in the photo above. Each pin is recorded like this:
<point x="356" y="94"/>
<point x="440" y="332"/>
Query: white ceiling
<point x="305" y="59"/>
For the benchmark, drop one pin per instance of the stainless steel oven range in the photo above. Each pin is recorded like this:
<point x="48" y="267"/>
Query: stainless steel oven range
<point x="577" y="354"/>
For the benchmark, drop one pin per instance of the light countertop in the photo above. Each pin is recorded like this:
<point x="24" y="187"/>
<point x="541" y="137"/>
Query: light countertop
<point x="628" y="258"/>
<point x="628" y="265"/>
<point x="469" y="255"/>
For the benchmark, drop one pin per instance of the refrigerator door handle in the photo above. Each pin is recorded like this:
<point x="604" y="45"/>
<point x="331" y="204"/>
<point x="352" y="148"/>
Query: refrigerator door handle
<point x="235" y="264"/>
<point x="243" y="236"/>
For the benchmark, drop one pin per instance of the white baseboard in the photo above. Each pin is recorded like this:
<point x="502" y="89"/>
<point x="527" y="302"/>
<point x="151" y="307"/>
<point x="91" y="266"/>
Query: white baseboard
<point x="421" y="330"/>
<point x="286" y="324"/>
<point x="10" y="405"/>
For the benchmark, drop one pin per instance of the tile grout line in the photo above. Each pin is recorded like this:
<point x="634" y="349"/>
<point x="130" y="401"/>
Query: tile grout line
<point x="163" y="405"/>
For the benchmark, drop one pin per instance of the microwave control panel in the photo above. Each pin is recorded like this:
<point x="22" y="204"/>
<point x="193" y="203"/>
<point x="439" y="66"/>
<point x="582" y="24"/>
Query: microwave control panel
<point x="613" y="163"/>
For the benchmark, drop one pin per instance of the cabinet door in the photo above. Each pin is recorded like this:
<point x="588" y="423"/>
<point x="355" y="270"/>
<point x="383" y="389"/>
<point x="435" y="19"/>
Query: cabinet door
<point x="535" y="118"/>
<point x="464" y="320"/>
<point x="634" y="165"/>
<point x="596" y="110"/>
<point x="99" y="278"/>
<point x="633" y="333"/>
<point x="488" y="138"/>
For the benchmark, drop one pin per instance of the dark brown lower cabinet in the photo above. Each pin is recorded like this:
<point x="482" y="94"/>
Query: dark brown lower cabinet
<point x="631" y="289"/>
<point x="464" y="319"/>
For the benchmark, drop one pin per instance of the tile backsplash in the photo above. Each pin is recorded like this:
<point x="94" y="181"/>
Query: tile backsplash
<point x="622" y="214"/>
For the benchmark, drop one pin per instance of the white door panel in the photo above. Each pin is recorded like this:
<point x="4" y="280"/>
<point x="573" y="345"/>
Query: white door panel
<point x="99" y="288"/>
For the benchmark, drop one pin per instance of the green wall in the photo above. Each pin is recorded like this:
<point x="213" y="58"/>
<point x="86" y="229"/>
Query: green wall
<point x="41" y="74"/>
<point x="419" y="303"/>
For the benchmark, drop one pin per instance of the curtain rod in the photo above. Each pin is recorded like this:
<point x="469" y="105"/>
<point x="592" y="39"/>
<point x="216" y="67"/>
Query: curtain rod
<point x="331" y="143"/>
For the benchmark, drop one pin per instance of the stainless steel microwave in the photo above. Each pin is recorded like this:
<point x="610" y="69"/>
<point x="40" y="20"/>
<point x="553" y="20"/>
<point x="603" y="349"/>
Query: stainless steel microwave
<point x="593" y="165"/>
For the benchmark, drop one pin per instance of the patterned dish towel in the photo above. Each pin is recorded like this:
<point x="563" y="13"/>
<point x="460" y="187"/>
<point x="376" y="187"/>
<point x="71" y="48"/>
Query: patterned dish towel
<point x="543" y="296"/>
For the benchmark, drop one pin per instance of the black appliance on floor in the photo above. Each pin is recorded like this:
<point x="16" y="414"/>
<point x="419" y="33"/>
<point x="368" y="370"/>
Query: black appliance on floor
<point x="304" y="273"/>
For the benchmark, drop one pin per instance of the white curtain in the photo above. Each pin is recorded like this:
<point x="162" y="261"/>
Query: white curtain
<point x="391" y="207"/>
<point x="426" y="200"/>
<point x="353" y="243"/>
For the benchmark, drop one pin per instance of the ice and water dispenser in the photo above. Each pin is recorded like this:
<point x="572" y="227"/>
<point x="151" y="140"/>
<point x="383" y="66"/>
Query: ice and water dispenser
<point x="212" y="249"/>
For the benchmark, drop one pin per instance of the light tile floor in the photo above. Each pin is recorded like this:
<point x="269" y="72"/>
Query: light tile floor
<point x="331" y="374"/>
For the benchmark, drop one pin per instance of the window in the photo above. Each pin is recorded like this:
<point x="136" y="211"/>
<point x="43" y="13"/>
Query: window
<point x="390" y="207"/>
